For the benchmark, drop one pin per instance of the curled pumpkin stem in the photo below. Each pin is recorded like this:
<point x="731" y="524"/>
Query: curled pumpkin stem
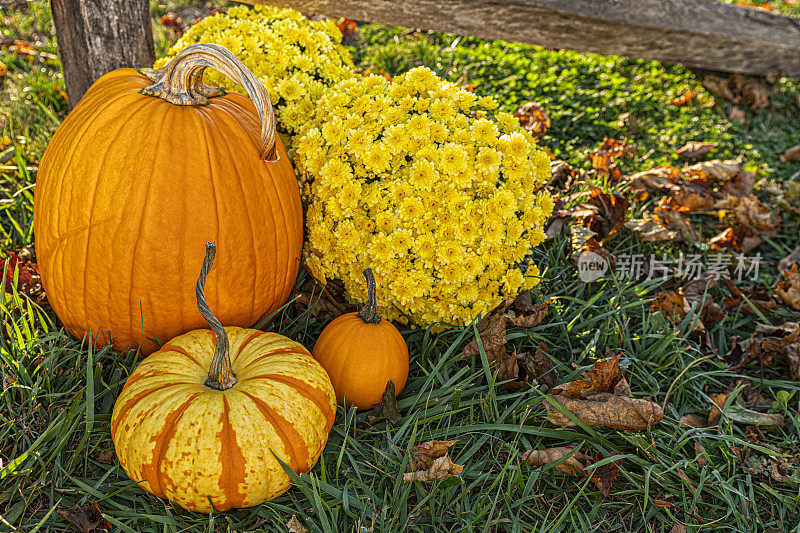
<point x="220" y="374"/>
<point x="369" y="314"/>
<point x="181" y="83"/>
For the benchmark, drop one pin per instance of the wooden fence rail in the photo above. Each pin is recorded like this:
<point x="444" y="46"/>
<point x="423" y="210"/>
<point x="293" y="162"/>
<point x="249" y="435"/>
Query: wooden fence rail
<point x="699" y="33"/>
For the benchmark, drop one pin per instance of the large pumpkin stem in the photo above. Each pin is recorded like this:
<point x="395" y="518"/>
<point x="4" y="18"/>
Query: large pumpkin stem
<point x="181" y="83"/>
<point x="220" y="374"/>
<point x="369" y="314"/>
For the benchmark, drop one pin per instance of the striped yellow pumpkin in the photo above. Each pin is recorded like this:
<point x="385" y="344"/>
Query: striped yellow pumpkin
<point x="188" y="432"/>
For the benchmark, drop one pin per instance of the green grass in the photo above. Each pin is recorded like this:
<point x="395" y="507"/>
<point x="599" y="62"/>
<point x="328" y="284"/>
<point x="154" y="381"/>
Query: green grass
<point x="58" y="393"/>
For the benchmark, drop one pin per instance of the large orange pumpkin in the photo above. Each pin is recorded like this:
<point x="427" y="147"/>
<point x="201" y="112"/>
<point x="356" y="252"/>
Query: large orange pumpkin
<point x="362" y="353"/>
<point x="199" y="420"/>
<point x="148" y="166"/>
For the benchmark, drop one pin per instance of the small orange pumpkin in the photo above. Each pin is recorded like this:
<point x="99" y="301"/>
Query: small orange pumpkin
<point x="149" y="165"/>
<point x="199" y="420"/>
<point x="362" y="352"/>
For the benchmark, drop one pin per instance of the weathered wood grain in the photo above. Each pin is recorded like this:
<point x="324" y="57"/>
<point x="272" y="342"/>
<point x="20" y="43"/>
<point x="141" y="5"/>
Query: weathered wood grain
<point x="699" y="33"/>
<point x="98" y="36"/>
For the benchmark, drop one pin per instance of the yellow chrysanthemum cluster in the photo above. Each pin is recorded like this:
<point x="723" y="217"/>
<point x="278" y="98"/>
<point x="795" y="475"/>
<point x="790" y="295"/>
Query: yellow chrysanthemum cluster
<point x="429" y="186"/>
<point x="294" y="57"/>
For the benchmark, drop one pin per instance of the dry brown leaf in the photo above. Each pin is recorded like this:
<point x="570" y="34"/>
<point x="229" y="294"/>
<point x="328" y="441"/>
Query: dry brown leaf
<point x="738" y="301"/>
<point x="604" y="475"/>
<point x="708" y="172"/>
<point x="430" y="462"/>
<point x="735" y="239"/>
<point x="295" y="526"/>
<point x="492" y="333"/>
<point x="676" y="304"/>
<point x="693" y="421"/>
<point x="325" y="302"/>
<point x="29" y="282"/>
<point x="651" y="230"/>
<point x="441" y="469"/>
<point x="738" y="116"/>
<point x="603" y="214"/>
<point x="751" y="212"/>
<point x="739" y="185"/>
<point x="718" y="402"/>
<point x="575" y="465"/>
<point x="602" y="159"/>
<point x="766" y="342"/>
<point x="563" y="176"/>
<point x="349" y="29"/>
<point x="752" y="91"/>
<point x="683" y="99"/>
<point x="751" y="395"/>
<point x="700" y="454"/>
<point x="537" y="367"/>
<point x="776" y="467"/>
<point x="664" y="178"/>
<point x="387" y="409"/>
<point x="788" y="287"/>
<point x="789" y="260"/>
<point x="603" y="376"/>
<point x="674" y="221"/>
<point x="86" y="519"/>
<point x="533" y="118"/>
<point x="602" y="398"/>
<point x="106" y="456"/>
<point x="605" y="409"/>
<point x="687" y="199"/>
<point x="423" y="455"/>
<point x="695" y="149"/>
<point x="532" y="315"/>
<point x="791" y="154"/>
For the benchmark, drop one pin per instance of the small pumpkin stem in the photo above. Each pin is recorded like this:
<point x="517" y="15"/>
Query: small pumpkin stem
<point x="220" y="374"/>
<point x="181" y="83"/>
<point x="369" y="314"/>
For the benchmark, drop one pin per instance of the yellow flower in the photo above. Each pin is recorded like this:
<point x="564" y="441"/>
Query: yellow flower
<point x="428" y="186"/>
<point x="507" y="122"/>
<point x="453" y="159"/>
<point x="411" y="208"/>
<point x="484" y="131"/>
<point x="386" y="222"/>
<point x="287" y="51"/>
<point x="425" y="246"/>
<point x="450" y="252"/>
<point x="423" y="175"/>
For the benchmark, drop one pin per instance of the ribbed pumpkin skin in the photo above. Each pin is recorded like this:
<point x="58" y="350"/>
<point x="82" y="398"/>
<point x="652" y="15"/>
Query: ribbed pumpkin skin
<point x="186" y="442"/>
<point x="129" y="189"/>
<point x="362" y="358"/>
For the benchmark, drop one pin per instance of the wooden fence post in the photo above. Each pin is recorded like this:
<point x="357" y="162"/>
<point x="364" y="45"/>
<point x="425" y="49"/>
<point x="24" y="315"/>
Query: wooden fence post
<point x="97" y="36"/>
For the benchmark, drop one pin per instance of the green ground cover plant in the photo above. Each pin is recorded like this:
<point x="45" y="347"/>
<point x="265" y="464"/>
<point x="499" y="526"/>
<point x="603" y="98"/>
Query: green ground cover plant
<point x="56" y="455"/>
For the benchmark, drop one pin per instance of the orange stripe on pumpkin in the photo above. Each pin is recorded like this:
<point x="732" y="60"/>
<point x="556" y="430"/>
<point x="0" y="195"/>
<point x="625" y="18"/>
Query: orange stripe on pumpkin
<point x="138" y="376"/>
<point x="172" y="348"/>
<point x="249" y="339"/>
<point x="281" y="351"/>
<point x="294" y="443"/>
<point x="151" y="472"/>
<point x="305" y="390"/>
<point x="123" y="411"/>
<point x="233" y="461"/>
